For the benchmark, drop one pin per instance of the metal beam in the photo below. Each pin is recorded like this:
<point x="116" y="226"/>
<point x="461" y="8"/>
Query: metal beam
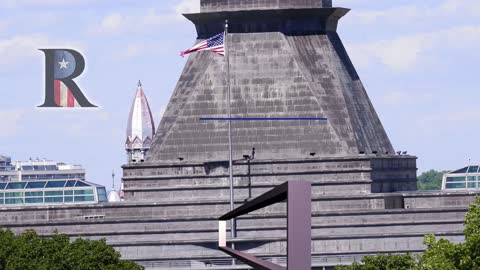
<point x="299" y="226"/>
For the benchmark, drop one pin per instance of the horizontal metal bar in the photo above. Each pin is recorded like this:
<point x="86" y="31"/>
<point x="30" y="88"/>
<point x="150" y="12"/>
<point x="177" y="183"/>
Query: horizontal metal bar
<point x="256" y="263"/>
<point x="273" y="196"/>
<point x="263" y="119"/>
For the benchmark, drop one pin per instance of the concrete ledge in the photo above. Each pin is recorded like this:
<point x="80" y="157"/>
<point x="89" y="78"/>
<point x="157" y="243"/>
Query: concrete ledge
<point x="277" y="239"/>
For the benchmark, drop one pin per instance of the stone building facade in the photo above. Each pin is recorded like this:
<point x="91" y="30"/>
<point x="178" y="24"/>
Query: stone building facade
<point x="287" y="60"/>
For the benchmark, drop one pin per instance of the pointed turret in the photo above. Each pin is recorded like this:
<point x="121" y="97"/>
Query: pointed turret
<point x="141" y="128"/>
<point x="113" y="195"/>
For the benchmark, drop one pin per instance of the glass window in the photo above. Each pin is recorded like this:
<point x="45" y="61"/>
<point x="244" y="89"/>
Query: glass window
<point x="2" y="194"/>
<point x="70" y="183"/>
<point x="84" y="198"/>
<point x="102" y="194"/>
<point x="81" y="184"/>
<point x="34" y="194"/>
<point x="54" y="193"/>
<point x="68" y="198"/>
<point x="55" y="184"/>
<point x="53" y="199"/>
<point x="472" y="178"/>
<point x="472" y="184"/>
<point x="39" y="184"/>
<point x="13" y="194"/>
<point x="33" y="200"/>
<point x="101" y="191"/>
<point x="3" y="185"/>
<point x="16" y="185"/>
<point x="2" y="201"/>
<point x="68" y="192"/>
<point x="13" y="201"/>
<point x="473" y="169"/>
<point x="84" y="192"/>
<point x="455" y="185"/>
<point x="456" y="179"/>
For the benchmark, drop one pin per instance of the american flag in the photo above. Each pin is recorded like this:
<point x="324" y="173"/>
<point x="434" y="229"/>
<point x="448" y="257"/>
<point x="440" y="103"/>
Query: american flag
<point x="64" y="65"/>
<point x="63" y="95"/>
<point x="215" y="44"/>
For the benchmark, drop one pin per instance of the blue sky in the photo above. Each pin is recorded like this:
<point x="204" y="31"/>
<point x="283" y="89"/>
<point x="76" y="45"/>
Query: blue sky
<point x="418" y="62"/>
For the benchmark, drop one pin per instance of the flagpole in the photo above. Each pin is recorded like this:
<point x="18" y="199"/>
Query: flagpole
<point x="230" y="159"/>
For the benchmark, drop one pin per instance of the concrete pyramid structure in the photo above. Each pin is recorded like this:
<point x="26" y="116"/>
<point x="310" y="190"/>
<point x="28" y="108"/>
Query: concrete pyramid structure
<point x="287" y="61"/>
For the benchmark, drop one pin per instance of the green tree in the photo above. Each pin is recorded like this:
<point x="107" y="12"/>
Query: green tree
<point x="431" y="180"/>
<point x="441" y="254"/>
<point x="29" y="251"/>
<point x="383" y="262"/>
<point x="444" y="255"/>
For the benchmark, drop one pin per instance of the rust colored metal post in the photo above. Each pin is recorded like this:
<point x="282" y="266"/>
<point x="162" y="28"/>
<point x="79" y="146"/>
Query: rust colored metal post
<point x="299" y="226"/>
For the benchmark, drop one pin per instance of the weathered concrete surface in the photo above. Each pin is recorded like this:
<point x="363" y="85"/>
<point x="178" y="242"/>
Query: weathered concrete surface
<point x="170" y="234"/>
<point x="297" y="67"/>
<point x="287" y="61"/>
<point x="232" y="5"/>
<point x="209" y="180"/>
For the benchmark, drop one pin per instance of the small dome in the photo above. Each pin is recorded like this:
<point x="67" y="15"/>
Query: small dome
<point x="113" y="196"/>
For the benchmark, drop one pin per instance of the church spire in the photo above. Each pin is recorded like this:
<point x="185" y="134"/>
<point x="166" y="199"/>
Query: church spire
<point x="113" y="195"/>
<point x="140" y="129"/>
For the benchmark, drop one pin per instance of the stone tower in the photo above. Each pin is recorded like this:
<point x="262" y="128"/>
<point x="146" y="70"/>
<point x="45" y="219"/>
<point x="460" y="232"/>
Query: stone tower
<point x="140" y="129"/>
<point x="287" y="60"/>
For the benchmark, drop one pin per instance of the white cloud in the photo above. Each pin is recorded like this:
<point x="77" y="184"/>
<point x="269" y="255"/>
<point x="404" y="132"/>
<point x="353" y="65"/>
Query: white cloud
<point x="406" y="98"/>
<point x="459" y="8"/>
<point x="112" y="23"/>
<point x="11" y="120"/>
<point x="188" y="6"/>
<point x="25" y="3"/>
<point x="405" y="52"/>
<point x="4" y="24"/>
<point x="117" y="23"/>
<point x="415" y="13"/>
<point x="16" y="49"/>
<point x="457" y="118"/>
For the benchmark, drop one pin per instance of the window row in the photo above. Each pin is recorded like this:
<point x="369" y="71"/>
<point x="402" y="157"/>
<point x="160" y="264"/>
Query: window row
<point x="461" y="185"/>
<point x="42" y="184"/>
<point x="462" y="179"/>
<point x="46" y="193"/>
<point x="39" y="200"/>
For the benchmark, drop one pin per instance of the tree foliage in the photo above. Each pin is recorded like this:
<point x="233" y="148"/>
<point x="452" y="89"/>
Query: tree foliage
<point x="29" y="251"/>
<point x="431" y="180"/>
<point x="383" y="262"/>
<point x="441" y="254"/>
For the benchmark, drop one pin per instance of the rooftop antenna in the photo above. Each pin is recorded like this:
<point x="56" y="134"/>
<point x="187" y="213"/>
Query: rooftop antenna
<point x="113" y="180"/>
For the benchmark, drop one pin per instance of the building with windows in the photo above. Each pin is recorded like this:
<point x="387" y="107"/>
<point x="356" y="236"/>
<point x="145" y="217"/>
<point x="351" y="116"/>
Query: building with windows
<point x="462" y="179"/>
<point x="44" y="182"/>
<point x="38" y="170"/>
<point x="50" y="192"/>
<point x="5" y="163"/>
